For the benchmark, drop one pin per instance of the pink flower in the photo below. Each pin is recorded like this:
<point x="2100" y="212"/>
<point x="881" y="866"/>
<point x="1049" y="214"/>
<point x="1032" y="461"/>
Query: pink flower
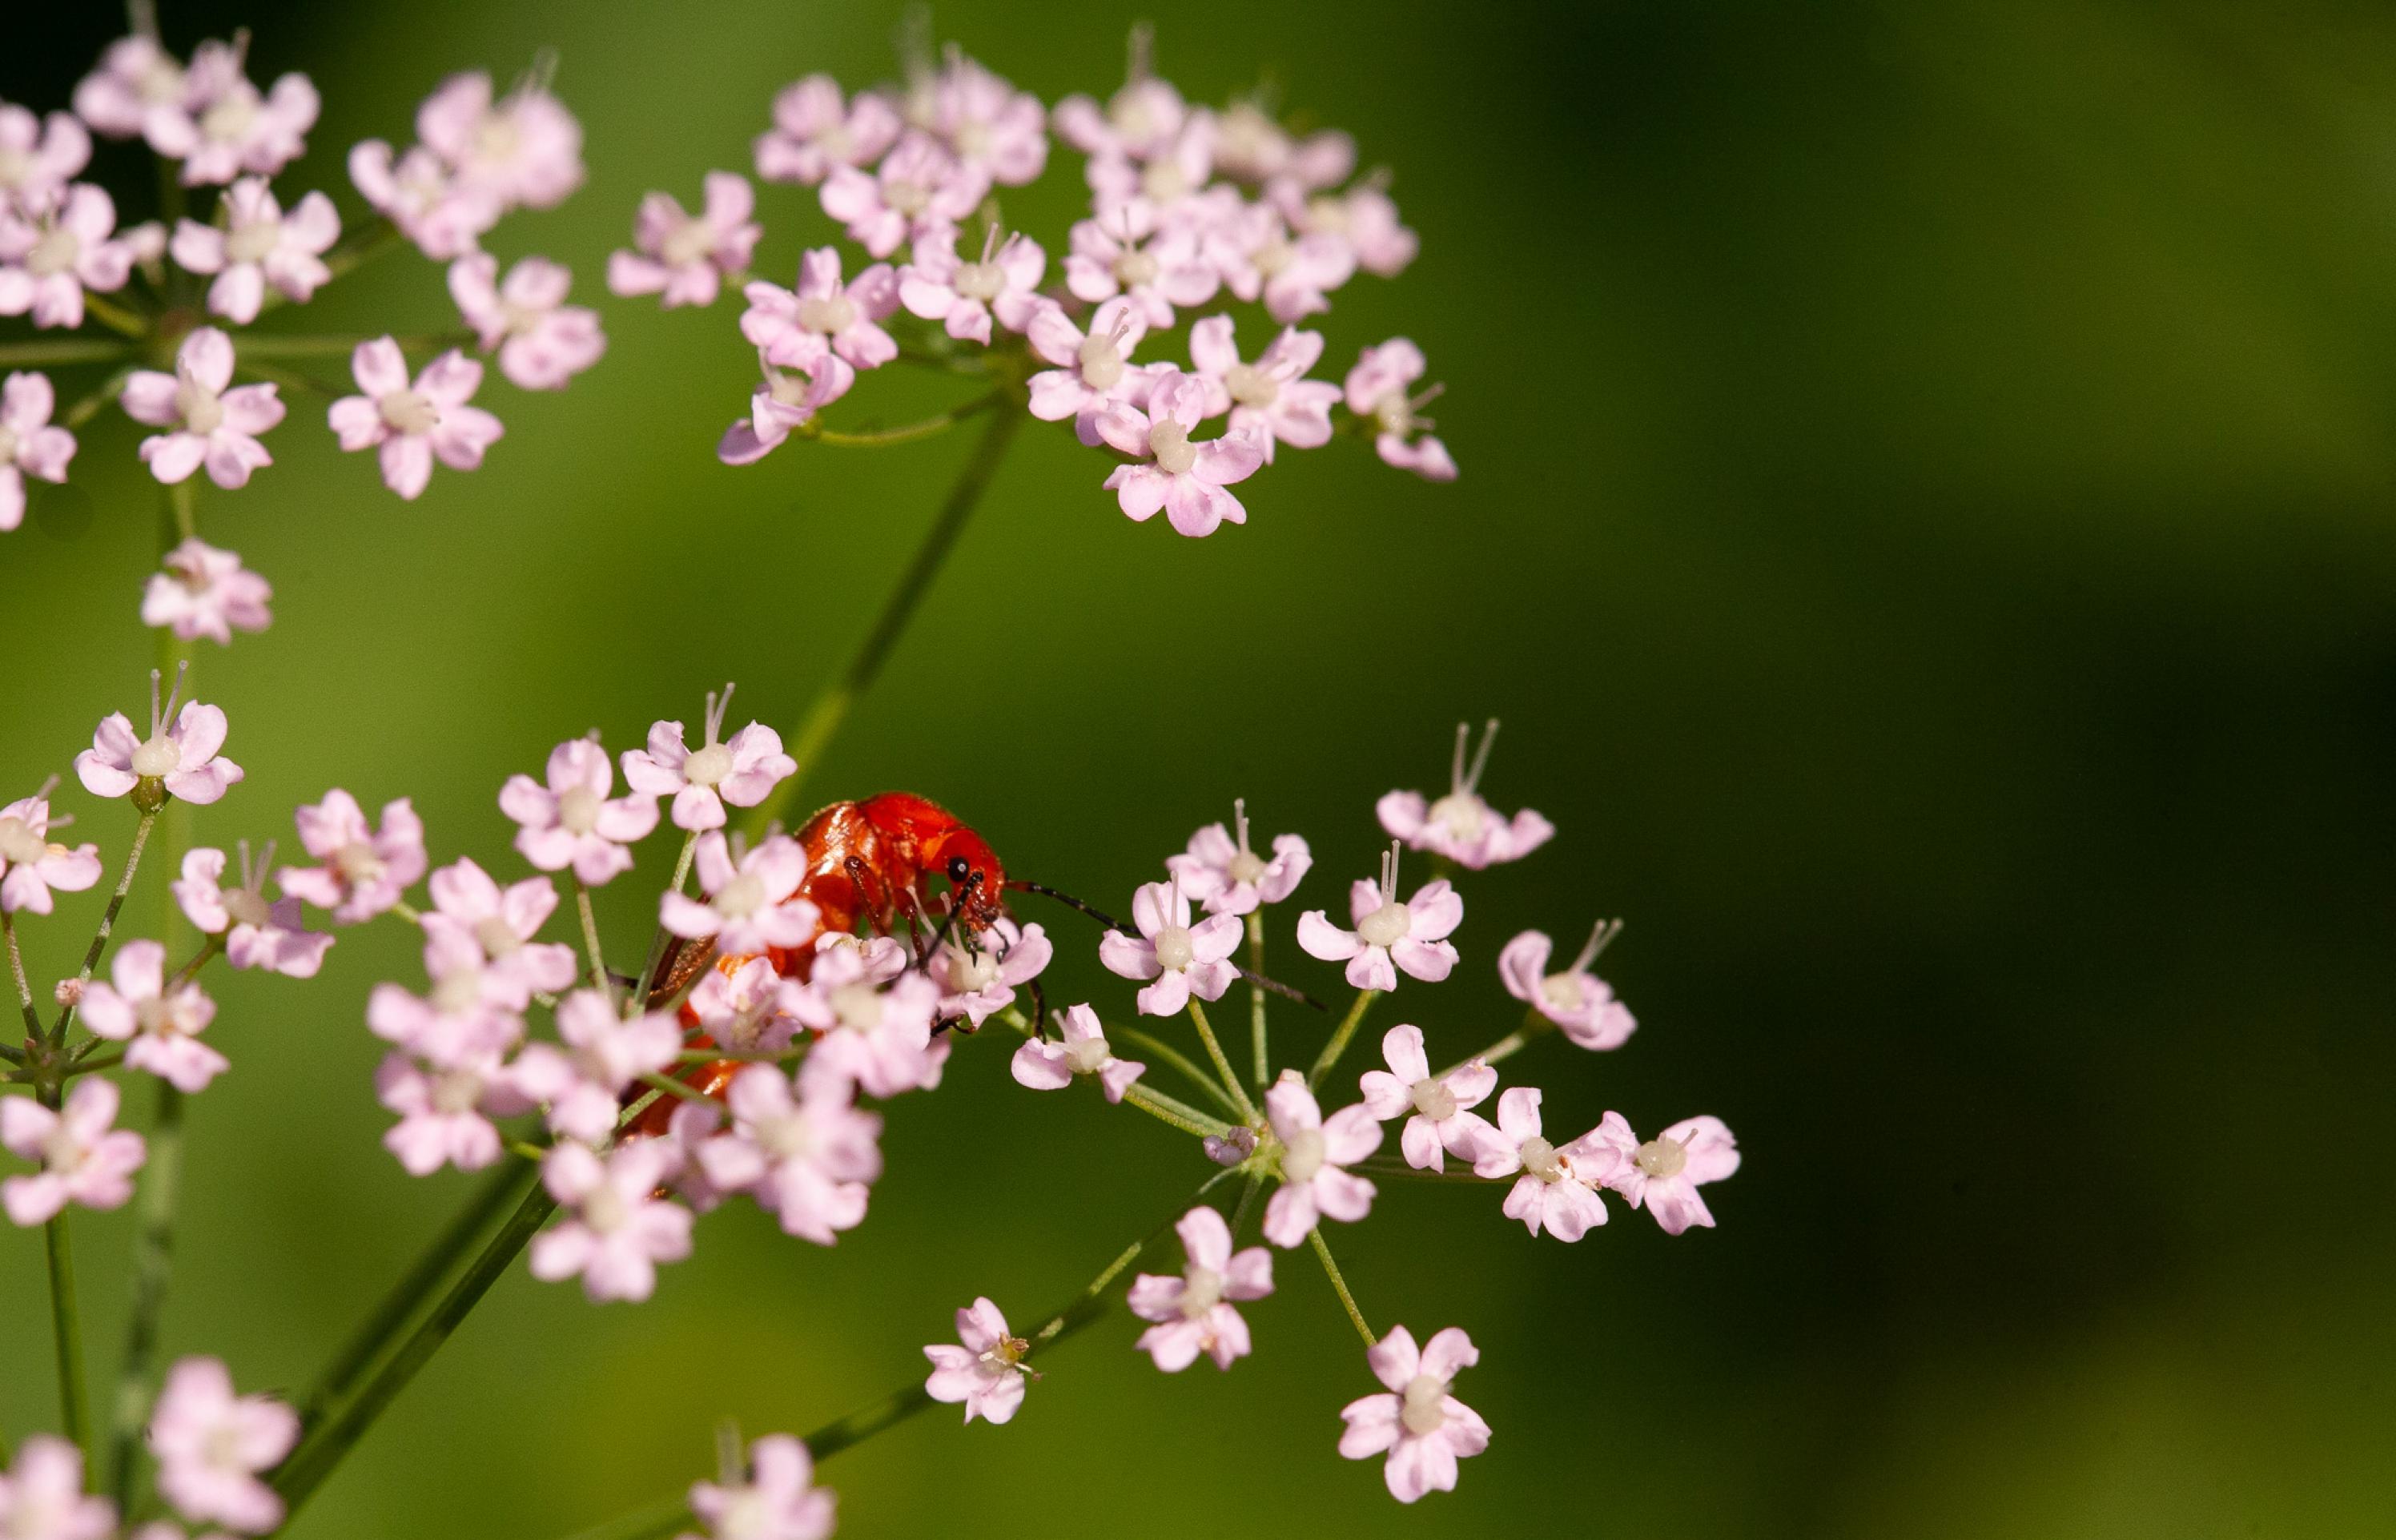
<point x="1315" y="1152"/>
<point x="963" y="295"/>
<point x="1046" y="1066"/>
<point x="410" y="426"/>
<point x="501" y="922"/>
<point x="1390" y="935"/>
<point x="1091" y="371"/>
<point x="987" y="124"/>
<point x="1170" y="180"/>
<point x="226" y="125"/>
<point x="742" y="1010"/>
<point x="1141" y="120"/>
<point x="42" y="1497"/>
<point x="574" y="823"/>
<point x="32" y="864"/>
<point x="1437" y="1109"/>
<point x="445" y="1112"/>
<point x="182" y="758"/>
<point x="211" y="1444"/>
<point x="749" y="903"/>
<point x="38" y="155"/>
<point x="136" y="83"/>
<point x="684" y="256"/>
<point x="542" y="341"/>
<point x="778" y="1502"/>
<point x="1259" y="259"/>
<point x="797" y="326"/>
<point x="1229" y="878"/>
<point x="806" y="1158"/>
<point x="471" y="1013"/>
<point x="702" y="780"/>
<point x="987" y="1372"/>
<point x="423" y="198"/>
<point x="211" y="424"/>
<point x="29" y="445"/>
<point x="1576" y="999"/>
<point x="875" y="1034"/>
<point x="365" y="872"/>
<point x="204" y="592"/>
<point x="977" y="973"/>
<point x="161" y="1020"/>
<point x="1664" y="1174"/>
<point x="54" y="248"/>
<point x="257" y="935"/>
<point x="1425" y="1430"/>
<point x="781" y="405"/>
<point x="815" y="131"/>
<point x="1270" y="399"/>
<point x="1377" y="389"/>
<point x="1364" y="218"/>
<point x="1557" y="1189"/>
<point x="524" y="150"/>
<point x="1182" y="958"/>
<point x="1460" y="825"/>
<point x="1250" y="147"/>
<point x="84" y="1157"/>
<point x="1192" y="1312"/>
<point x="621" y="1231"/>
<point x="919" y="187"/>
<point x="1123" y="252"/>
<point x="1173" y="474"/>
<point x="259" y="247"/>
<point x="581" y="1082"/>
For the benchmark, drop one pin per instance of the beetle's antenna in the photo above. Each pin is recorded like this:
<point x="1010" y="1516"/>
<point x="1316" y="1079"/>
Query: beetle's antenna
<point x="1113" y="924"/>
<point x="956" y="911"/>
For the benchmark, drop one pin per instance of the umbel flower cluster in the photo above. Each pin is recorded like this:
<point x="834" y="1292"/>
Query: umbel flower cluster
<point x="173" y="316"/>
<point x="1199" y="220"/>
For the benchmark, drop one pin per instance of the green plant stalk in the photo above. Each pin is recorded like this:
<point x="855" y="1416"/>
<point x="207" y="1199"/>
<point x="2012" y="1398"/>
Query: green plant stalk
<point x="1257" y="1000"/>
<point x="1331" y="1270"/>
<point x="591" y="939"/>
<point x="1339" y="1038"/>
<point x="17" y="973"/>
<point x="66" y="1335"/>
<point x="153" y="1265"/>
<point x="1150" y="1044"/>
<point x="1247" y="1109"/>
<point x="98" y="947"/>
<point x="1535" y="1026"/>
<point x="63" y="350"/>
<point x="1181" y="1114"/>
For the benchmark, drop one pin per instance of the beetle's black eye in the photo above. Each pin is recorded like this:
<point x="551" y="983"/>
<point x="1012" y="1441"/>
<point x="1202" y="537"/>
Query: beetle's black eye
<point x="959" y="869"/>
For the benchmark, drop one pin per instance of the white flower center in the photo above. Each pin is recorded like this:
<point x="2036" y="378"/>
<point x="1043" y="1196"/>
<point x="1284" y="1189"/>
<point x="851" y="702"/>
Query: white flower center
<point x="1247" y="867"/>
<point x="748" y="1516"/>
<point x="688" y="244"/>
<point x="604" y="1209"/>
<point x="60" y="1151"/>
<point x="788" y="389"/>
<point x="157" y="1017"/>
<point x="496" y="936"/>
<point x="408" y="412"/>
<point x="1463" y="814"/>
<point x="1251" y="386"/>
<point x="248" y="907"/>
<point x="457" y="991"/>
<point x="221" y="1448"/>
<point x="972" y="140"/>
<point x="1326" y="213"/>
<point x="1539" y="1158"/>
<point x="1423" y="1414"/>
<point x="1088" y="1055"/>
<point x="201" y="411"/>
<point x="1101" y="361"/>
<point x="1174" y="951"/>
<point x="55" y="252"/>
<point x="156" y="757"/>
<point x="1163" y="182"/>
<point x="1170" y="442"/>
<point x="1273" y="256"/>
<point x="20" y="844"/>
<point x="859" y="1006"/>
<point x="521" y="320"/>
<point x="981" y="281"/>
<point x="970" y="973"/>
<point x="496" y="137"/>
<point x="786" y="1138"/>
<point x="254" y="242"/>
<point x="1434" y="1100"/>
<point x="1302" y="1155"/>
<point x="1394" y="414"/>
<point x="1202" y="1290"/>
<point x="230" y="118"/>
<point x="834" y="141"/>
<point x="1134" y="268"/>
<point x="908" y="198"/>
<point x="577" y="810"/>
<point x="455" y="1092"/>
<point x="708" y="765"/>
<point x="1661" y="1158"/>
<point x="828" y="316"/>
<point x="1561" y="991"/>
<point x="161" y="81"/>
<point x="745" y="894"/>
<point x="358" y="862"/>
<point x="1386" y="926"/>
<point x="15" y="167"/>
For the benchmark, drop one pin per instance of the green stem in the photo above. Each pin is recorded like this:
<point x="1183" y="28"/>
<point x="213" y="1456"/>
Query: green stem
<point x="1382" y="1167"/>
<point x="66" y="1333"/>
<point x="92" y="953"/>
<point x="115" y="317"/>
<point x="1339" y="1044"/>
<point x="652" y="970"/>
<point x="1339" y="1285"/>
<point x="183" y="497"/>
<point x="1181" y="1114"/>
<point x="24" y="990"/>
<point x="153" y="1263"/>
<point x="672" y="1087"/>
<point x="825" y="717"/>
<point x="1257" y="998"/>
<point x="907" y="433"/>
<point x="591" y="938"/>
<point x="1156" y="1046"/>
<point x="1222" y="1063"/>
<point x="99" y="395"/>
<point x="1534" y="1026"/>
<point x="63" y="350"/>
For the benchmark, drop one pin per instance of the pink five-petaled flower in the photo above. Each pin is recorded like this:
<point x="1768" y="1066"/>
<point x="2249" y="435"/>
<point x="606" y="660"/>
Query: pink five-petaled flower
<point x="782" y="403"/>
<point x="471" y="1009"/>
<point x="1121" y="252"/>
<point x="55" y="247"/>
<point x="1229" y="878"/>
<point x="31" y="863"/>
<point x="1557" y="1189"/>
<point x="742" y="1010"/>
<point x="1270" y="400"/>
<point x="84" y="1157"/>
<point x="1425" y="1430"/>
<point x="445" y="1111"/>
<point x="977" y="973"/>
<point x="1192" y="1312"/>
<point x="574" y="823"/>
<point x="1259" y="259"/>
<point x="987" y="1372"/>
<point x="816" y="130"/>
<point x="42" y="1497"/>
<point x="779" y="1501"/>
<point x="937" y="286"/>
<point x="1460" y="825"/>
<point x="1663" y="1173"/>
<point x="749" y="906"/>
<point x="796" y="326"/>
<point x="524" y="149"/>
<point x="38" y="155"/>
<point x="1364" y="220"/>
<point x="684" y="257"/>
<point x="1046" y="1066"/>
<point x="204" y="592"/>
<point x="602" y="1054"/>
<point x="740" y="771"/>
<point x="161" y="1020"/>
<point x="136" y="83"/>
<point x="987" y="124"/>
<point x="365" y="872"/>
<point x="877" y="1033"/>
<point x="211" y="1444"/>
<point x="1183" y="478"/>
<point x="918" y="188"/>
<point x="257" y="935"/>
<point x="208" y="424"/>
<point x="1576" y="999"/>
<point x="1437" y="1109"/>
<point x="542" y="341"/>
<point x="1315" y="1152"/>
<point x="1091" y="371"/>
<point x="227" y="126"/>
<point x="414" y="424"/>
<point x="501" y="924"/>
<point x="181" y="758"/>
<point x="1377" y="390"/>
<point x="424" y="198"/>
<point x="30" y="444"/>
<point x="1180" y="958"/>
<point x="806" y="1157"/>
<point x="260" y="246"/>
<point x="620" y="1230"/>
<point x="1390" y="935"/>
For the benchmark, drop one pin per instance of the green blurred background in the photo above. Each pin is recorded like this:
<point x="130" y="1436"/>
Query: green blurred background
<point x="1925" y="526"/>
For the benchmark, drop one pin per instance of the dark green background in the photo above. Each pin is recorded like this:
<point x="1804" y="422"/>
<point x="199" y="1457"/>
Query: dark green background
<point x="1925" y="526"/>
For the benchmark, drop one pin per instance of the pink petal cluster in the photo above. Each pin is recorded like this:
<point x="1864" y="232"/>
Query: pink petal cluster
<point x="365" y="871"/>
<point x="86" y="1158"/>
<point x="742" y="771"/>
<point x="409" y="425"/>
<point x="599" y="1054"/>
<point x="978" y="974"/>
<point x="876" y="1030"/>
<point x="42" y="1495"/>
<point x="619" y="1230"/>
<point x="1423" y="1428"/>
<point x="55" y="245"/>
<point x="1003" y="282"/>
<point x="796" y="327"/>
<point x="803" y="1149"/>
<point x="1579" y="1003"/>
<point x="1315" y="1153"/>
<point x="816" y="128"/>
<point x="160" y="1020"/>
<point x="32" y="864"/>
<point x="920" y="188"/>
<point x="1271" y="401"/>
<point x="1390" y="936"/>
<point x="212" y="1445"/>
<point x="1221" y="871"/>
<point x="779" y="1500"/>
<point x="1046" y="1066"/>
<point x="30" y="444"/>
<point x="572" y="822"/>
<point x="1438" y="1108"/>
<point x="38" y="155"/>
<point x="1178" y="958"/>
<point x="750" y="898"/>
<point x="1663" y="1174"/>
<point x="782" y="404"/>
<point x="216" y="123"/>
<point x="1460" y="825"/>
<point x="446" y="1110"/>
<point x="1169" y="470"/>
<point x="983" y="1368"/>
<point x="1376" y="390"/>
<point x="468" y="905"/>
<point x="684" y="257"/>
<point x="182" y="758"/>
<point x="209" y="420"/>
<point x="257" y="934"/>
<point x="479" y="158"/>
<point x="204" y="592"/>
<point x="1193" y="1312"/>
<point x="542" y="343"/>
<point x="1557" y="1186"/>
<point x="259" y="247"/>
<point x="1092" y="370"/>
